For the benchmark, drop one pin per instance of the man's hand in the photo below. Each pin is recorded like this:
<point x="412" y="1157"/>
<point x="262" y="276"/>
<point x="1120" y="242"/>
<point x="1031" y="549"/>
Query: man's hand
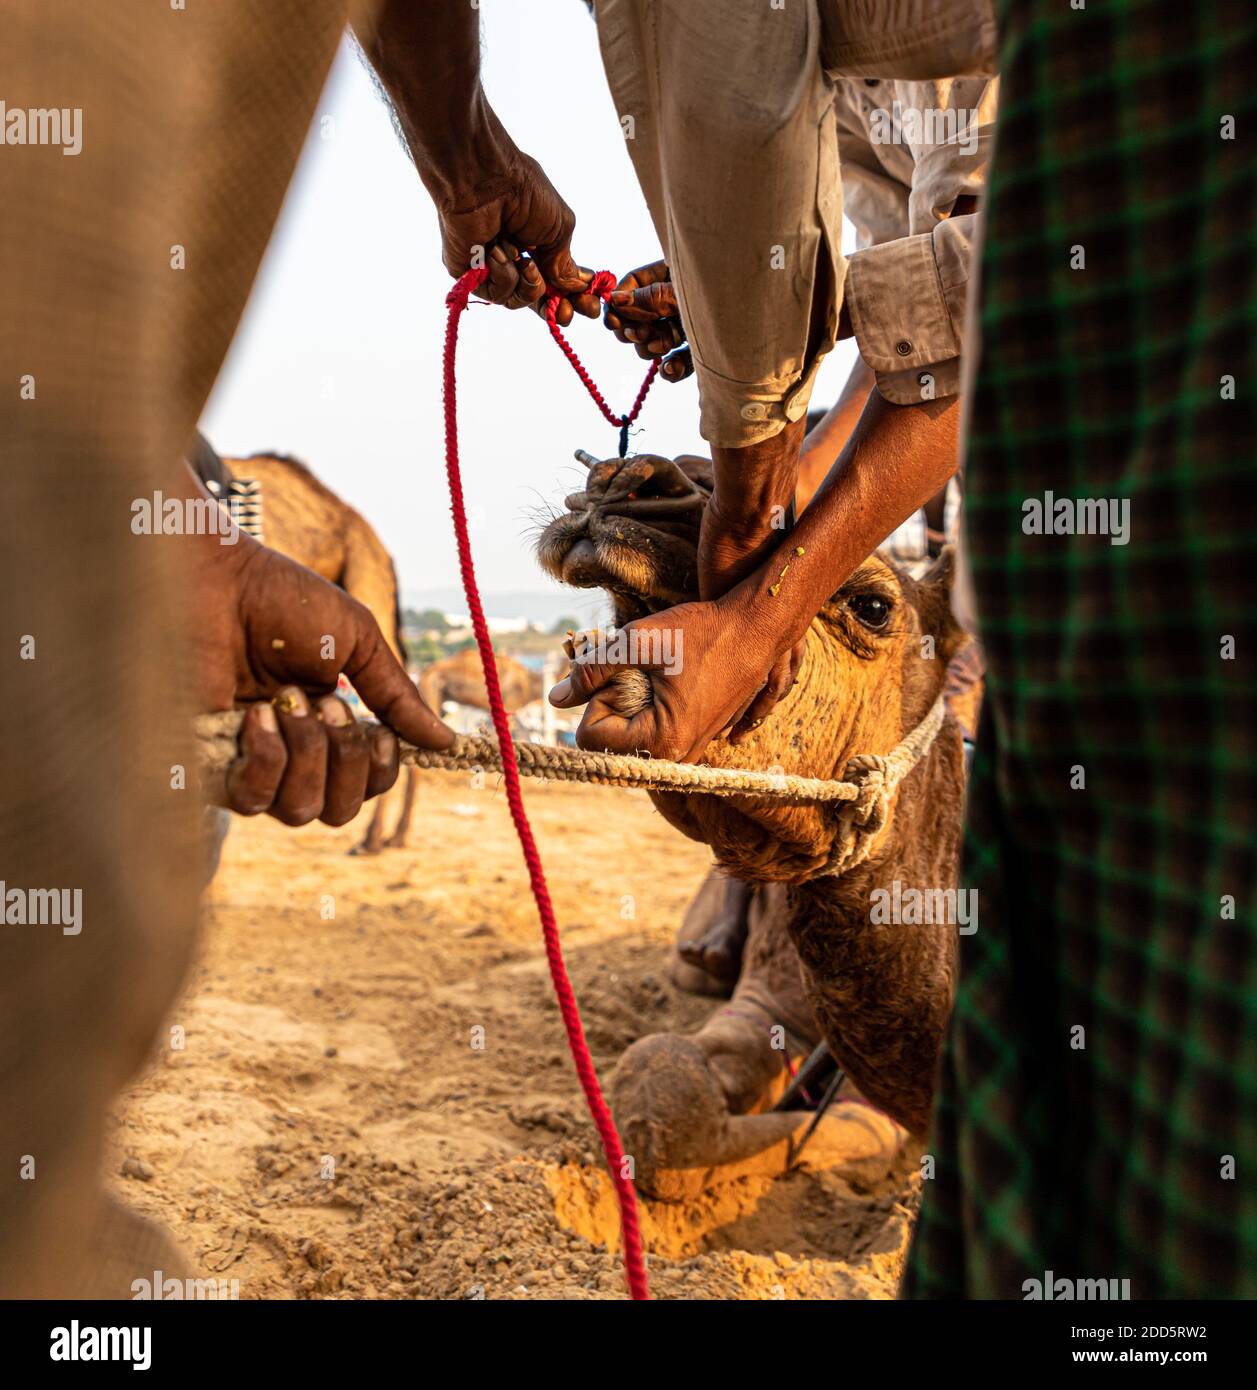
<point x="512" y="210"/>
<point x="643" y="312"/>
<point x="717" y="664"/>
<point x="492" y="199"/>
<point x="272" y="633"/>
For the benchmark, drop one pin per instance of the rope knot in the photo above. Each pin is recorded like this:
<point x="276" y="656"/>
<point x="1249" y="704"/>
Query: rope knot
<point x="870" y="772"/>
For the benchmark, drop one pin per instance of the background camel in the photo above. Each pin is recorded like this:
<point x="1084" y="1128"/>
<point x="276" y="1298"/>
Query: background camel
<point x="879" y="995"/>
<point x="459" y="678"/>
<point x="305" y="520"/>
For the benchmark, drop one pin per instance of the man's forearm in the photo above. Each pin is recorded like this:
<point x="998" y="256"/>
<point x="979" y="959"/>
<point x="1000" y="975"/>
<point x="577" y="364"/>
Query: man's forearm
<point x="828" y="438"/>
<point x="427" y="56"/>
<point x="754" y="487"/>
<point x="897" y="458"/>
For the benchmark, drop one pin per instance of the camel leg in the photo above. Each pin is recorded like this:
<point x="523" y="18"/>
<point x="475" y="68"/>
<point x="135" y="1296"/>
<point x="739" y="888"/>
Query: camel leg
<point x="373" y="841"/>
<point x="709" y="913"/>
<point x="718" y="948"/>
<point x="689" y="1106"/>
<point x="397" y="840"/>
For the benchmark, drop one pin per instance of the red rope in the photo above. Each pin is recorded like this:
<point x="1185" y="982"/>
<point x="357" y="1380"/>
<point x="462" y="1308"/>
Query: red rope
<point x="634" y="1259"/>
<point x="601" y="285"/>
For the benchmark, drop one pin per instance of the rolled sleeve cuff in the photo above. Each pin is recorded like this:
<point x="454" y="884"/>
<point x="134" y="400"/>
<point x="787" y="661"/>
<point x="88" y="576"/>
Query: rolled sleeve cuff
<point x="933" y="383"/>
<point x="736" y="414"/>
<point x="903" y="325"/>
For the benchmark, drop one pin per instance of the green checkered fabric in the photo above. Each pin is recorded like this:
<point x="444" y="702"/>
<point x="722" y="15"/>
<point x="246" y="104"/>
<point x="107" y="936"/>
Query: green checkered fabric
<point x="1098" y="1095"/>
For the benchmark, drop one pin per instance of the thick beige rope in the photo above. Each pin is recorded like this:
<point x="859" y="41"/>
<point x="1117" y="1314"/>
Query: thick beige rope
<point x="877" y="777"/>
<point x="872" y="778"/>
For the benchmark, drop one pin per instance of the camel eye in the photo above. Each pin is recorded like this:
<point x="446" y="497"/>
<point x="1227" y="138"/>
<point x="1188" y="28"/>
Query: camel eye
<point x="870" y="609"/>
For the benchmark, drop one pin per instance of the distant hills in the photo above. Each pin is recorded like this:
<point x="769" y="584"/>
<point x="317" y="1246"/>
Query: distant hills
<point x="544" y="606"/>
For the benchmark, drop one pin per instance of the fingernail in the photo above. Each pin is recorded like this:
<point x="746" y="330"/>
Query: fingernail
<point x="266" y="718"/>
<point x="291" y="700"/>
<point x="621" y="297"/>
<point x="497" y="254"/>
<point x="531" y="273"/>
<point x="562" y="691"/>
<point x="332" y="712"/>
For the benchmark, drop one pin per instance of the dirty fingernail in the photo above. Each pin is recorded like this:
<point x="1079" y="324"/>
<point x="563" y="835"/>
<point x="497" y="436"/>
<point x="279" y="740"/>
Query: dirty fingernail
<point x="266" y="718"/>
<point x="291" y="700"/>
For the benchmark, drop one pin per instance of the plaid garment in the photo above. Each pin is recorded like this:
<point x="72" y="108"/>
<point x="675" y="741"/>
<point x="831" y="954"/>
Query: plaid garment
<point x="1103" y="907"/>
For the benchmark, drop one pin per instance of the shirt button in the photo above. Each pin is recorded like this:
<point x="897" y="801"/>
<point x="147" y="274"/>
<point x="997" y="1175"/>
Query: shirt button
<point x="754" y="410"/>
<point x="796" y="408"/>
<point x="903" y="347"/>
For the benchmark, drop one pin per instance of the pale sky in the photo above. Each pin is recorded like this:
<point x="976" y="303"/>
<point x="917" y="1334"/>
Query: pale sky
<point x="338" y="358"/>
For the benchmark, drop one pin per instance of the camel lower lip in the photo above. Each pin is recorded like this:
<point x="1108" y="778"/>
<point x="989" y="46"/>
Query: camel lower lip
<point x="582" y="568"/>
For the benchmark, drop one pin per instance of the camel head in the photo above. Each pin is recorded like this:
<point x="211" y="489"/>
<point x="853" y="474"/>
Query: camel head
<point x="876" y="656"/>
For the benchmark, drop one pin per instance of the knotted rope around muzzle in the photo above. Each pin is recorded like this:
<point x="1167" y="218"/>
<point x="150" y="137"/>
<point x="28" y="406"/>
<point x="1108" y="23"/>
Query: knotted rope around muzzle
<point x="863" y="795"/>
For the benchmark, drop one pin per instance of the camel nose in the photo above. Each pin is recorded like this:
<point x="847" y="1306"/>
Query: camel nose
<point x="581" y="567"/>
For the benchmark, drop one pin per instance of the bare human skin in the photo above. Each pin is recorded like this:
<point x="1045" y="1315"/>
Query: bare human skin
<point x="491" y="198"/>
<point x="879" y="995"/>
<point x="734" y="644"/>
<point x="308" y="522"/>
<point x="895" y="459"/>
<point x="264" y="617"/>
<point x="274" y="636"/>
<point x="713" y="952"/>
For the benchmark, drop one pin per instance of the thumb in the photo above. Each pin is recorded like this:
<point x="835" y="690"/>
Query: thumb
<point x="389" y="692"/>
<point x="560" y="270"/>
<point x="582" y="681"/>
<point x="621" y="692"/>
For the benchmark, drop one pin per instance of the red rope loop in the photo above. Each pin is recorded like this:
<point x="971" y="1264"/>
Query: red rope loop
<point x="634" y="1258"/>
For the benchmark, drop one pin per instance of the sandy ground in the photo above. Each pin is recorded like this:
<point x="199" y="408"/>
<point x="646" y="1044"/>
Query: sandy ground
<point x="381" y="1104"/>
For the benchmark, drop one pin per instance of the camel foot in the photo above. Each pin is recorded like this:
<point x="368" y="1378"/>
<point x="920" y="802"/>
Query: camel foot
<point x="694" y="980"/>
<point x="395" y="842"/>
<point x="718" y="951"/>
<point x="674" y="1119"/>
<point x="366" y="847"/>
